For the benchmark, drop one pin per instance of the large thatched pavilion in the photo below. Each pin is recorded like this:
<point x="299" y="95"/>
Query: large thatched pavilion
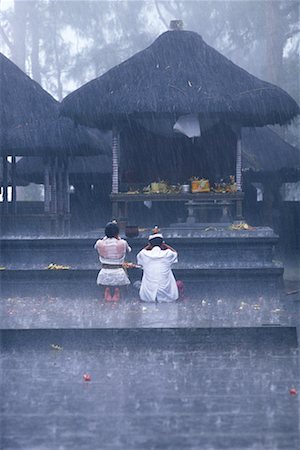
<point x="177" y="80"/>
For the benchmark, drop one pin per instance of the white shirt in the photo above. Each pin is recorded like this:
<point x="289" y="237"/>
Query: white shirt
<point x="158" y="282"/>
<point x="112" y="250"/>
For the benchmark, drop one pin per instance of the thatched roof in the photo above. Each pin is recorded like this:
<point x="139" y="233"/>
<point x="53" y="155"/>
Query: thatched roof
<point x="52" y="137"/>
<point x="31" y="169"/>
<point x="22" y="100"/>
<point x="179" y="74"/>
<point x="265" y="150"/>
<point x="30" y="122"/>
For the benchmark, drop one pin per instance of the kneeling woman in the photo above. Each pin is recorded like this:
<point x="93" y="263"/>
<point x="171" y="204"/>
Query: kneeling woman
<point x="112" y="250"/>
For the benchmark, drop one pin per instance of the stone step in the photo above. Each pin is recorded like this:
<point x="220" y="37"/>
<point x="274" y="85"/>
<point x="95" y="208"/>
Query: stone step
<point x="244" y="340"/>
<point x="213" y="281"/>
<point x="223" y="247"/>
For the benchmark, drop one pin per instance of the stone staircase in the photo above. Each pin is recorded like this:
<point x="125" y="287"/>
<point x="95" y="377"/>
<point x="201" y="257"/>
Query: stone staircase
<point x="186" y="375"/>
<point x="210" y="261"/>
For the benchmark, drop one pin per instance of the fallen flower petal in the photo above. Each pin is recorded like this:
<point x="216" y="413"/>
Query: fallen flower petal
<point x="87" y="377"/>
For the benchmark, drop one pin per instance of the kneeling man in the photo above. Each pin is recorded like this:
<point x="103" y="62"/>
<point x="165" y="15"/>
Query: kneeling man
<point x="158" y="282"/>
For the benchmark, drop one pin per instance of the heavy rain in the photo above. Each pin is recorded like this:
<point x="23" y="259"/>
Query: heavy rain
<point x="150" y="224"/>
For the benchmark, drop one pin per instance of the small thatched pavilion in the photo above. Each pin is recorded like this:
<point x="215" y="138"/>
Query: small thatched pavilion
<point x="270" y="165"/>
<point x="22" y="101"/>
<point x="30" y="125"/>
<point x="178" y="77"/>
<point x="90" y="180"/>
<point x="52" y="145"/>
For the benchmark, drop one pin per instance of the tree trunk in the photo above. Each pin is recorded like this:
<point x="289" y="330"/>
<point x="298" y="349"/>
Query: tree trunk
<point x="19" y="33"/>
<point x="55" y="38"/>
<point x="275" y="40"/>
<point x="35" y="41"/>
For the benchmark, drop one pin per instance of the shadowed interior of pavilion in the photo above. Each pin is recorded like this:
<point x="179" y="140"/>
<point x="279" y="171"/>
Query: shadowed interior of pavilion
<point x="266" y="159"/>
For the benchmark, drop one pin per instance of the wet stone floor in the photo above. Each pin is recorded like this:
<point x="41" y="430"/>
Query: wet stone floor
<point x="149" y="389"/>
<point x="46" y="311"/>
<point x="200" y="373"/>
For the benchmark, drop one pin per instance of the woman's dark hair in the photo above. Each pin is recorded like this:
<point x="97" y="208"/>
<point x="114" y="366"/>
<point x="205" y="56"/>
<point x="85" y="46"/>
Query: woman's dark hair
<point x="111" y="229"/>
<point x="156" y="241"/>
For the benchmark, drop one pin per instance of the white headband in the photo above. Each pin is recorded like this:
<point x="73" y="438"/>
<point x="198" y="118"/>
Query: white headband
<point x="156" y="235"/>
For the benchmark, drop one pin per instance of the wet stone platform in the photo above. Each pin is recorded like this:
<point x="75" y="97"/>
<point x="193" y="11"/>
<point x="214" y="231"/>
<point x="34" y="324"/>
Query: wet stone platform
<point x="189" y="375"/>
<point x="212" y="371"/>
<point x="150" y="389"/>
<point x="94" y="312"/>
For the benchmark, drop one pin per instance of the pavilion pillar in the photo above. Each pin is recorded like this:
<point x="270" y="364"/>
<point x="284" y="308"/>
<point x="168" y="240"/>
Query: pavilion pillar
<point x="115" y="168"/>
<point x="238" y="174"/>
<point x="238" y="168"/>
<point x="47" y="189"/>
<point x="60" y="196"/>
<point x="5" y="185"/>
<point x="13" y="185"/>
<point x="66" y="196"/>
<point x="53" y="203"/>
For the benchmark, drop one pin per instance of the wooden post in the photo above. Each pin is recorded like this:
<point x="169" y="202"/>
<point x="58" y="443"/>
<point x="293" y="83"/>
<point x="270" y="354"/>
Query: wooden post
<point x="66" y="194"/>
<point x="67" y="186"/>
<point x="13" y="185"/>
<point x="115" y="160"/>
<point x="5" y="185"/>
<point x="115" y="168"/>
<point x="238" y="174"/>
<point x="60" y="196"/>
<point x="47" y="189"/>
<point x="238" y="171"/>
<point x="53" y="204"/>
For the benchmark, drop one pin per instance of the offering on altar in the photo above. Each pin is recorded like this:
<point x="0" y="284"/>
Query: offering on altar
<point x="200" y="185"/>
<point x="232" y="186"/>
<point x="159" y="187"/>
<point x="223" y="186"/>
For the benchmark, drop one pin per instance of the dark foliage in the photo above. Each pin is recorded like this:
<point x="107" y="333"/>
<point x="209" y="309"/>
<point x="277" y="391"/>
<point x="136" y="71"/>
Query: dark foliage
<point x="179" y="74"/>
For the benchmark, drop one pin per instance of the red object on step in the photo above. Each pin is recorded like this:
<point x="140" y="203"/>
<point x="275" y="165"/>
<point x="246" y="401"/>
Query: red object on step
<point x="87" y="377"/>
<point x="293" y="391"/>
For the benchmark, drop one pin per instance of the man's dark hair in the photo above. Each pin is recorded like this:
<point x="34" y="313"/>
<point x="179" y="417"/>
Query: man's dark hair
<point x="157" y="241"/>
<point x="111" y="229"/>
